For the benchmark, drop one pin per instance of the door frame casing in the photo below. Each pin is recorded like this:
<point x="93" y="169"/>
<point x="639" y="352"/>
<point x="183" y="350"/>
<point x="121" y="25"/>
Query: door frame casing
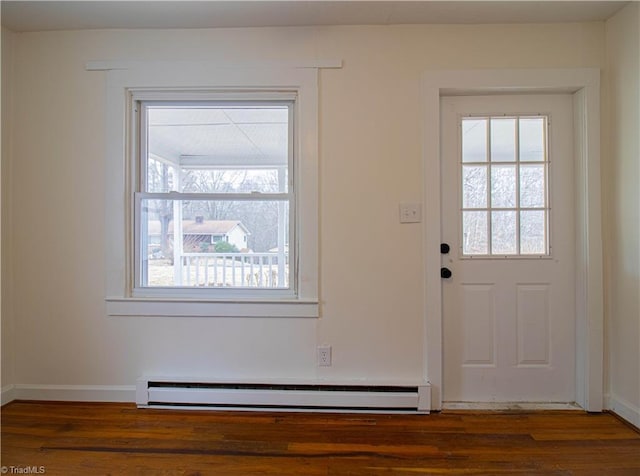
<point x="584" y="86"/>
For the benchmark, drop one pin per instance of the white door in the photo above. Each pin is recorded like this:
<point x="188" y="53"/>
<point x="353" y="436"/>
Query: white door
<point x="507" y="216"/>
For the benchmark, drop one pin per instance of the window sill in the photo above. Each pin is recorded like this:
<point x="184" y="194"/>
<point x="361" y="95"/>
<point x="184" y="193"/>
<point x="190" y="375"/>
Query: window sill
<point x="148" y="307"/>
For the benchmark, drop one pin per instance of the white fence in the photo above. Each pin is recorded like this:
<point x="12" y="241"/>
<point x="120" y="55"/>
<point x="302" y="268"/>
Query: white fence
<point x="262" y="270"/>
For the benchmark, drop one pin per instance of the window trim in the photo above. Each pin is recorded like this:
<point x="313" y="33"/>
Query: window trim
<point x="192" y="81"/>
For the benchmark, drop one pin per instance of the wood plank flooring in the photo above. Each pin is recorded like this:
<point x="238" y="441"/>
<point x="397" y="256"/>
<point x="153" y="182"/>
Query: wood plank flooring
<point x="119" y="439"/>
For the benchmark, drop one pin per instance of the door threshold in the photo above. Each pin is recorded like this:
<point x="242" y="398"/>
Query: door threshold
<point x="502" y="406"/>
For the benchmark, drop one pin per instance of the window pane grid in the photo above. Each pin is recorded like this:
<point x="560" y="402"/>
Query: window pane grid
<point x="505" y="203"/>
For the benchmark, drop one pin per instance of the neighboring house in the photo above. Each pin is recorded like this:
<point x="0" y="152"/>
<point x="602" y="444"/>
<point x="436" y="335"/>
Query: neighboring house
<point x="196" y="233"/>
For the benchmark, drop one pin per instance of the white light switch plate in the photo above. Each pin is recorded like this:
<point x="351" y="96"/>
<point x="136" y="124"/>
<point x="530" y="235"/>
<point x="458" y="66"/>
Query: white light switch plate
<point x="410" y="213"/>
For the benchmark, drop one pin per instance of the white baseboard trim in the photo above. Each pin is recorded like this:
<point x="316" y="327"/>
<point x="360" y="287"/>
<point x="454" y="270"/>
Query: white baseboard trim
<point x="509" y="406"/>
<point x="71" y="393"/>
<point x="7" y="394"/>
<point x="624" y="409"/>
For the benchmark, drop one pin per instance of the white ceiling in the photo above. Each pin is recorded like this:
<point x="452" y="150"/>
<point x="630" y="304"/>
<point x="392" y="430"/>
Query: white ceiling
<point x="25" y="15"/>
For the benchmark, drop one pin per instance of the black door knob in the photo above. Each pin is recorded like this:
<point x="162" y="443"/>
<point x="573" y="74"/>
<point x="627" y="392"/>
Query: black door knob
<point x="445" y="273"/>
<point x="444" y="248"/>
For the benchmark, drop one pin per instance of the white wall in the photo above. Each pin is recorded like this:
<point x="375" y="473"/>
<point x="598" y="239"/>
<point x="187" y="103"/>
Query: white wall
<point x="622" y="217"/>
<point x="7" y="354"/>
<point x="370" y="161"/>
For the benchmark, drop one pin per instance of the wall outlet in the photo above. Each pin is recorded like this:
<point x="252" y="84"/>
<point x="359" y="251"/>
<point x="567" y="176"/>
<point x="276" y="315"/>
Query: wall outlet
<point x="324" y="356"/>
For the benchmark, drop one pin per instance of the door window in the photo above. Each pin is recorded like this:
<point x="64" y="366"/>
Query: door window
<point x="504" y="186"/>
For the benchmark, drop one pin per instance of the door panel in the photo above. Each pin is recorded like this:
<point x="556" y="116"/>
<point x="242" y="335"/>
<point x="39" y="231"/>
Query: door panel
<point x="507" y="213"/>
<point x="477" y="325"/>
<point x="533" y="324"/>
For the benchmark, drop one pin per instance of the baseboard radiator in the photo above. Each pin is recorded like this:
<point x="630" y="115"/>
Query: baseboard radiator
<point x="167" y="393"/>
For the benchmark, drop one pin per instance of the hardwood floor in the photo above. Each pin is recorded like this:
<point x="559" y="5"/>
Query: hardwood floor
<point x="98" y="439"/>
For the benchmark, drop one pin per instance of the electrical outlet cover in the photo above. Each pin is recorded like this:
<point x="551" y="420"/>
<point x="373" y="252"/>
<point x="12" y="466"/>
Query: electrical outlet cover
<point x="324" y="356"/>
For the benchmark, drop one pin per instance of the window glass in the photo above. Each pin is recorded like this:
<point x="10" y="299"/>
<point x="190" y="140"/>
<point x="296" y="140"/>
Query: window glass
<point x="214" y="208"/>
<point x="475" y="239"/>
<point x="474" y="186"/>
<point x="223" y="252"/>
<point x="514" y="221"/>
<point x="217" y="149"/>
<point x="532" y="139"/>
<point x="474" y="140"/>
<point x="503" y="140"/>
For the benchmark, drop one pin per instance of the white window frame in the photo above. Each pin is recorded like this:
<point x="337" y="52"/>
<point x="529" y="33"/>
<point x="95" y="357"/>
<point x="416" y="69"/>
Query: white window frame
<point x="196" y="81"/>
<point x="140" y="101"/>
